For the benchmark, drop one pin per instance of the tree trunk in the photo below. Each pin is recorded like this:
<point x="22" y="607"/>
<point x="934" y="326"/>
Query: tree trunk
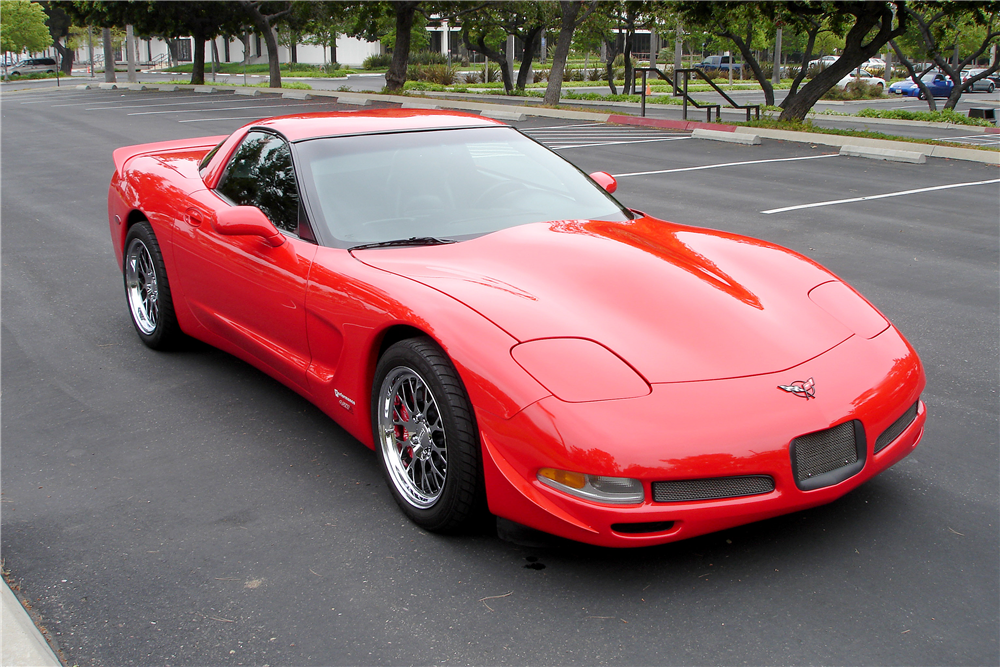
<point x="263" y="25"/>
<point x="749" y="58"/>
<point x="480" y="47"/>
<point x="628" y="87"/>
<point x="806" y="55"/>
<point x="567" y="26"/>
<point x="528" y="38"/>
<point x="333" y="48"/>
<point x="905" y="62"/>
<point x="109" y="56"/>
<point x="198" y="65"/>
<point x="611" y="51"/>
<point x="66" y="56"/>
<point x="396" y="76"/>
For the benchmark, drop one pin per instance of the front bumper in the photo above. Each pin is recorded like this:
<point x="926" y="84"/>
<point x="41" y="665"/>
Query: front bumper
<point x="701" y="431"/>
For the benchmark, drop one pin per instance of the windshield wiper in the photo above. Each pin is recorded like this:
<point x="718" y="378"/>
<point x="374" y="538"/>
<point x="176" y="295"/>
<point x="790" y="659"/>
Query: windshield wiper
<point x="412" y="241"/>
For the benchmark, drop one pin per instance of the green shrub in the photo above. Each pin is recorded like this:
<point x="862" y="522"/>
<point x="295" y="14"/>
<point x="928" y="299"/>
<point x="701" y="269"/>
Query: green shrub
<point x="428" y="58"/>
<point x="855" y="90"/>
<point x="439" y="74"/>
<point x="377" y="61"/>
<point x="943" y="116"/>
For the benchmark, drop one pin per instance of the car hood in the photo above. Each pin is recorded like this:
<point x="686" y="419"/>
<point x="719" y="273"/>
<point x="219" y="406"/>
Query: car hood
<point x="676" y="303"/>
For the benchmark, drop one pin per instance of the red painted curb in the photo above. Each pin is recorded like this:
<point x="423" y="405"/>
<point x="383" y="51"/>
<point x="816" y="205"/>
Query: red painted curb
<point x="669" y="124"/>
<point x="993" y="130"/>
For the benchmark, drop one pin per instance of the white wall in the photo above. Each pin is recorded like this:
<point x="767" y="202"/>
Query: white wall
<point x="351" y="52"/>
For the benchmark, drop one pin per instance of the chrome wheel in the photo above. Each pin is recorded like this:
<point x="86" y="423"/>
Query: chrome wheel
<point x="141" y="287"/>
<point x="411" y="434"/>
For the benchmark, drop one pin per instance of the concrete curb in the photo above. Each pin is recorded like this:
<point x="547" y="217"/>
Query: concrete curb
<point x="969" y="154"/>
<point x="883" y="154"/>
<point x="731" y="137"/>
<point x="23" y="644"/>
<point x="972" y="129"/>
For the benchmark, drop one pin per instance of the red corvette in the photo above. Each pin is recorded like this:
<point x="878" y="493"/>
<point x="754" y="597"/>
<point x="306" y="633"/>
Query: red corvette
<point x="505" y="334"/>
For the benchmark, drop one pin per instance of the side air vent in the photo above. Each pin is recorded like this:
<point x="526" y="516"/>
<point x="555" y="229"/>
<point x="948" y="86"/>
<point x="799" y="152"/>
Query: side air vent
<point x="897" y="427"/>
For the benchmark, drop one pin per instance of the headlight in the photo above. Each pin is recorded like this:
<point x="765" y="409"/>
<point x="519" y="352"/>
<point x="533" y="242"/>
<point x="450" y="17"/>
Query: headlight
<point x="601" y="489"/>
<point x="577" y="370"/>
<point x="849" y="308"/>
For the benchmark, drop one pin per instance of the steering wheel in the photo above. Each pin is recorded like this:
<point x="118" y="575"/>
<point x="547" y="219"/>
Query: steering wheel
<point x="501" y="189"/>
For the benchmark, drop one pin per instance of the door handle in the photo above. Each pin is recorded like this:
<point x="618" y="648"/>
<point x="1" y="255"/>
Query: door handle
<point x="193" y="217"/>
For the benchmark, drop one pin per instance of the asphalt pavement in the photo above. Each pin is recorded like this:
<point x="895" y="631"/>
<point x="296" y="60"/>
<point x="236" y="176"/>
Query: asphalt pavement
<point x="185" y="509"/>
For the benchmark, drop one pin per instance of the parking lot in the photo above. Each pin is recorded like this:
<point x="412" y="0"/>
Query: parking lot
<point x="185" y="509"/>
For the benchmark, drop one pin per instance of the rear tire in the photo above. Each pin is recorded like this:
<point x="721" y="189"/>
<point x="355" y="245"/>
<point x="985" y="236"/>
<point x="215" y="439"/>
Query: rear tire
<point x="426" y="436"/>
<point x="147" y="289"/>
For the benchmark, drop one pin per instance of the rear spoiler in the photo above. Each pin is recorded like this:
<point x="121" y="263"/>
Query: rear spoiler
<point x="126" y="153"/>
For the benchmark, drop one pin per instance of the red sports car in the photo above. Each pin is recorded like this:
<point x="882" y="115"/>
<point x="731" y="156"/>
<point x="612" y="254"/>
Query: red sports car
<point x="505" y="334"/>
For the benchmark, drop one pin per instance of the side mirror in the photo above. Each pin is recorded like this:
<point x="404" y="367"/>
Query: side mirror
<point x="247" y="221"/>
<point x="605" y="180"/>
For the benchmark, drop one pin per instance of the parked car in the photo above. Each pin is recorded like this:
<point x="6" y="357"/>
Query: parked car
<point x="824" y="62"/>
<point x="939" y="85"/>
<point x="873" y="64"/>
<point x="986" y="84"/>
<point x="724" y="63"/>
<point x="32" y="65"/>
<point x="505" y="334"/>
<point x="865" y="77"/>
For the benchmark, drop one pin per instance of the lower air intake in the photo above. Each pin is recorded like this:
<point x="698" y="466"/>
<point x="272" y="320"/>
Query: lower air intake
<point x="828" y="457"/>
<point x="711" y="489"/>
<point x="897" y="427"/>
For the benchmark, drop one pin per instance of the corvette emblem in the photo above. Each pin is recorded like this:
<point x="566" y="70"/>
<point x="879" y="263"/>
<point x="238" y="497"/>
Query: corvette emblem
<point x="805" y="389"/>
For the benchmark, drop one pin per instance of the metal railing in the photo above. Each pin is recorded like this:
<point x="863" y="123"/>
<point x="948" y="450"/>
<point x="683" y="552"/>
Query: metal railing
<point x="681" y="90"/>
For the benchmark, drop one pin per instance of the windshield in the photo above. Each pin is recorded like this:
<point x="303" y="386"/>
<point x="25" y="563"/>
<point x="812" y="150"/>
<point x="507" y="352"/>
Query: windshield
<point x="443" y="184"/>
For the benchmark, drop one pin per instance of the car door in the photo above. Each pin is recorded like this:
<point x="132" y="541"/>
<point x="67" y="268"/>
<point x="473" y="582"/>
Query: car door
<point x="241" y="288"/>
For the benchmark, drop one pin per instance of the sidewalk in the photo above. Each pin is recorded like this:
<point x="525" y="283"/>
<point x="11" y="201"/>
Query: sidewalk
<point x="21" y="644"/>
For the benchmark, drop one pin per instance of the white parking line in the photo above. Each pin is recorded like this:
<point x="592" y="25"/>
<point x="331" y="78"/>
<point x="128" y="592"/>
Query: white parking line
<point x="131" y="99"/>
<point x="882" y="196"/>
<point x="170" y="104"/>
<point x="612" y="143"/>
<point x="208" y="120"/>
<point x="264" y="106"/>
<point x="725" y="164"/>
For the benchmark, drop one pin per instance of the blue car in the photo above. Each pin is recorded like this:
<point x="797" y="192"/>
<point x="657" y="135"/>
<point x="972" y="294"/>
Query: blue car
<point x="939" y="85"/>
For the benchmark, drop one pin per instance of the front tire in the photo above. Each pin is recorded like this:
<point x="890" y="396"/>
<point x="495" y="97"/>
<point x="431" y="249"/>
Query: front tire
<point x="426" y="436"/>
<point x="147" y="290"/>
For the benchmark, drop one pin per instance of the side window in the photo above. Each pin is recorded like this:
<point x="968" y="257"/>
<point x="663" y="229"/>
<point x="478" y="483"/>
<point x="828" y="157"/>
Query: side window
<point x="260" y="174"/>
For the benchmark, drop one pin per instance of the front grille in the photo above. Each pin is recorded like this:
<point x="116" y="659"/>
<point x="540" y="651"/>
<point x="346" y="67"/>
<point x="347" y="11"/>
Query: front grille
<point x="711" y="489"/>
<point x="824" y="451"/>
<point x="897" y="427"/>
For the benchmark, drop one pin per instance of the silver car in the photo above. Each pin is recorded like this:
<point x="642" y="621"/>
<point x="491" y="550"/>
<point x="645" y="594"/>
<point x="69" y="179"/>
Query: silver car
<point x="32" y="65"/>
<point x="986" y="84"/>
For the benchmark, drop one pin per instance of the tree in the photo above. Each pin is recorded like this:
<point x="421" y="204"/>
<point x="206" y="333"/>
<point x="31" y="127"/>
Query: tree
<point x="201" y="20"/>
<point x="485" y="29"/>
<point x="937" y="28"/>
<point x="60" y="24"/>
<point x="572" y="13"/>
<point x="264" y="16"/>
<point x="745" y="24"/>
<point x="22" y="27"/>
<point x="369" y="21"/>
<point x="867" y="27"/>
<point x="873" y="24"/>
